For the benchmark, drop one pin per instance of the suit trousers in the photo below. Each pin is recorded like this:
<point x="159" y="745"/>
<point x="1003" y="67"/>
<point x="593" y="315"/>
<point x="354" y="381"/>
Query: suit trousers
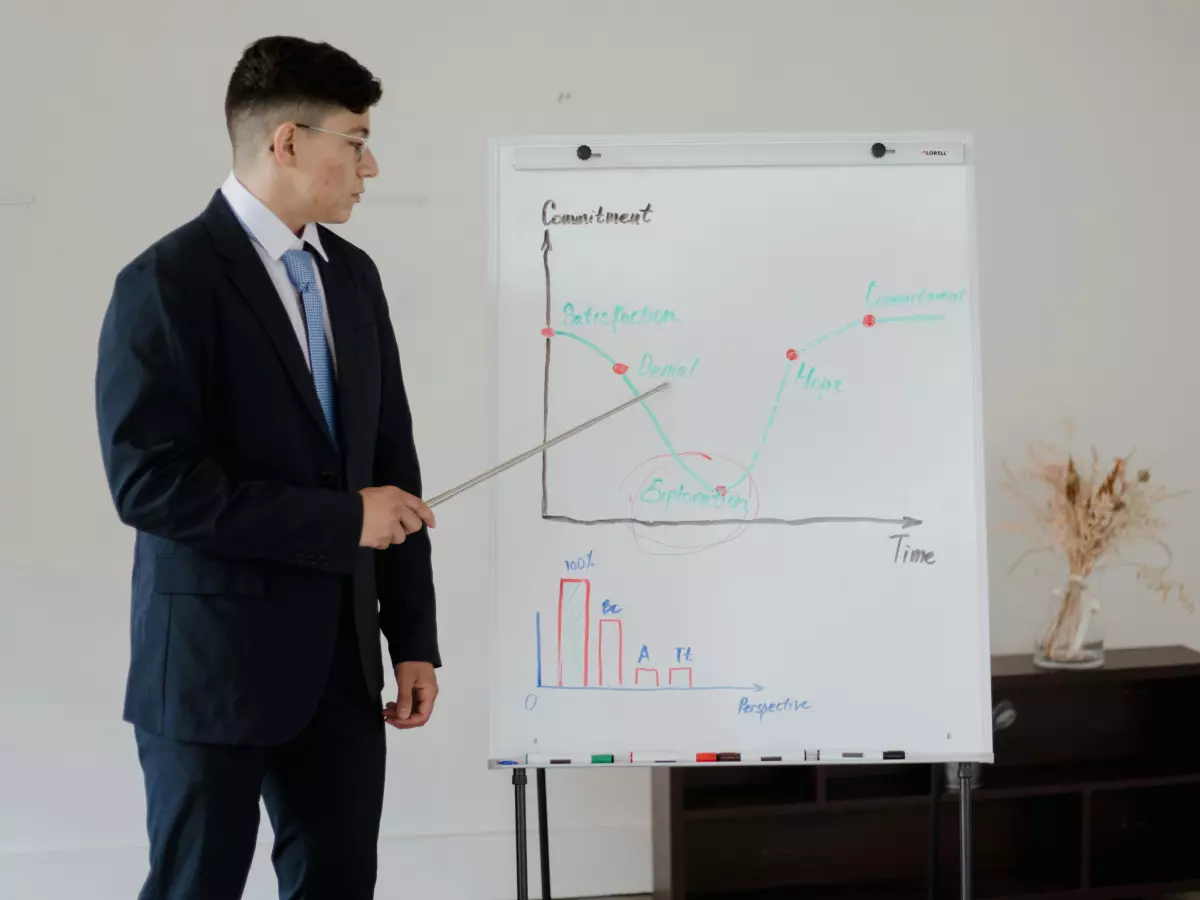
<point x="323" y="792"/>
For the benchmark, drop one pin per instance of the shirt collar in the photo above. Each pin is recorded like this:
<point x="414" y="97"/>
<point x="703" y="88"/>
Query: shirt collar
<point x="268" y="229"/>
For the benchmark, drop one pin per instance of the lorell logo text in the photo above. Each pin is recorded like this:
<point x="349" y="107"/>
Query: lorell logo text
<point x="934" y="152"/>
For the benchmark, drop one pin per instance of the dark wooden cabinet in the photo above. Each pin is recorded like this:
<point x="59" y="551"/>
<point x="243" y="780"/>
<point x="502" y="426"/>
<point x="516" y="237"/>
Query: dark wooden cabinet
<point x="1094" y="793"/>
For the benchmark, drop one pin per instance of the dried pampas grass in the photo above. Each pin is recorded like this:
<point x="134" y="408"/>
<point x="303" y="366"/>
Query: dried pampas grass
<point x="1089" y="516"/>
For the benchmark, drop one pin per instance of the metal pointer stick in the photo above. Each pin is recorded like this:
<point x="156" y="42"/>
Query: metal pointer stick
<point x="446" y="495"/>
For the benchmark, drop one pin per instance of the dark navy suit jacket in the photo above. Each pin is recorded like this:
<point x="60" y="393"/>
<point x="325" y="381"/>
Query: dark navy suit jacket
<point x="247" y="512"/>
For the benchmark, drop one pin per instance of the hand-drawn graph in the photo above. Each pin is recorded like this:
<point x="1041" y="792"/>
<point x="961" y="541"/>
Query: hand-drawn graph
<point x="699" y="487"/>
<point x="573" y="656"/>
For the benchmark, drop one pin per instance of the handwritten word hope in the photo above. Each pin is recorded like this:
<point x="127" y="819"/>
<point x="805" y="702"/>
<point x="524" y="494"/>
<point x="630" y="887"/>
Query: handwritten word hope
<point x="745" y="707"/>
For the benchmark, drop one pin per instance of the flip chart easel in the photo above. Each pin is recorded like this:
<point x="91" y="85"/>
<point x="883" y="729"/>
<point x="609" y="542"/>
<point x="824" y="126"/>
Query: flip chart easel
<point x="782" y="561"/>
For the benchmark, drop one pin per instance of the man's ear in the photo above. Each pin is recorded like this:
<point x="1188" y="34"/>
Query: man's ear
<point x="283" y="145"/>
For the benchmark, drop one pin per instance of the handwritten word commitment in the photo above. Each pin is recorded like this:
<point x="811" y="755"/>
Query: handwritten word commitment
<point x="667" y="370"/>
<point x="718" y="500"/>
<point x="918" y="298"/>
<point x="599" y="217"/>
<point x="618" y="315"/>
<point x="745" y="707"/>
<point x="807" y="376"/>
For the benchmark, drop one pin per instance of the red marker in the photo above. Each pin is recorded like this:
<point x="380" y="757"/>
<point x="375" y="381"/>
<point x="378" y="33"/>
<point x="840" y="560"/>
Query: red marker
<point x="868" y="320"/>
<point x="706" y="757"/>
<point x="792" y="354"/>
<point x="547" y="332"/>
<point x="620" y="368"/>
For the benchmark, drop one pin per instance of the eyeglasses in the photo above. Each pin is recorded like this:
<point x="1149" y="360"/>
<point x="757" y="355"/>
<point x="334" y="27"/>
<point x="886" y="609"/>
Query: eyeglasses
<point x="359" y="143"/>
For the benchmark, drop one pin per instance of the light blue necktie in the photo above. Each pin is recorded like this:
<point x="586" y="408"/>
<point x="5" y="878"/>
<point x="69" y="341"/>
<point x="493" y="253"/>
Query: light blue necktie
<point x="299" y="265"/>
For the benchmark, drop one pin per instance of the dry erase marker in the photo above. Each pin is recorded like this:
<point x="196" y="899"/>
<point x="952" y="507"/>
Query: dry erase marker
<point x="706" y="757"/>
<point x="538" y="759"/>
<point x="787" y="756"/>
<point x="851" y="754"/>
<point x="660" y="757"/>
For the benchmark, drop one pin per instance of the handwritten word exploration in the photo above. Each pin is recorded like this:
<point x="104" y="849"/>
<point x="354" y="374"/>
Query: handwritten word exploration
<point x="717" y="499"/>
<point x="745" y="707"/>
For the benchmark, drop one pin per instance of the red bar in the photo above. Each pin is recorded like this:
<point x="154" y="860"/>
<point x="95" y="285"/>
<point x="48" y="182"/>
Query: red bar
<point x="637" y="675"/>
<point x="706" y="757"/>
<point x="620" y="651"/>
<point x="671" y="675"/>
<point x="587" y="619"/>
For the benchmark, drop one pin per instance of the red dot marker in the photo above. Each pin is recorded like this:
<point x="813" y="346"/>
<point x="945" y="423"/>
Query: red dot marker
<point x="868" y="320"/>
<point x="547" y="332"/>
<point x="792" y="354"/>
<point x="620" y="368"/>
<point x="721" y="489"/>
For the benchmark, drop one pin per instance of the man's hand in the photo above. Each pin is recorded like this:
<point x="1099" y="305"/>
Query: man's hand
<point x="418" y="689"/>
<point x="390" y="515"/>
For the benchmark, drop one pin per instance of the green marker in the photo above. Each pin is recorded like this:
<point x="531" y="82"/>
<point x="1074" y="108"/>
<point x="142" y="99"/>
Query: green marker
<point x="602" y="757"/>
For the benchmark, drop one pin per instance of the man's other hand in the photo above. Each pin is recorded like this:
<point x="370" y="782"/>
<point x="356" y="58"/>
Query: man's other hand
<point x="390" y="515"/>
<point x="418" y="688"/>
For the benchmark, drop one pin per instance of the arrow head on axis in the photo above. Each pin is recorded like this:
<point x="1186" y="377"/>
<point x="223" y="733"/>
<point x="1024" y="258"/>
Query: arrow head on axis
<point x="909" y="522"/>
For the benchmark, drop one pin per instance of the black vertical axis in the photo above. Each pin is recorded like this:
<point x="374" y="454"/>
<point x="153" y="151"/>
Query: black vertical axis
<point x="519" y="780"/>
<point x="964" y="829"/>
<point x="543" y="834"/>
<point x="935" y="830"/>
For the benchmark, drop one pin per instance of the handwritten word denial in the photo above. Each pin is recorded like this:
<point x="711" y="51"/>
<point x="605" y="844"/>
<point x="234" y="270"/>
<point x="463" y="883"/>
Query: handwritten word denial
<point x="597" y="217"/>
<point x="745" y="707"/>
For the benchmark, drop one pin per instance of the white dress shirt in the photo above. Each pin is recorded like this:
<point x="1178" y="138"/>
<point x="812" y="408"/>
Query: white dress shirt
<point x="272" y="239"/>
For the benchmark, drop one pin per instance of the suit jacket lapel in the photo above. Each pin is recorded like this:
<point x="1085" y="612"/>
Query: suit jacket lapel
<point x="246" y="272"/>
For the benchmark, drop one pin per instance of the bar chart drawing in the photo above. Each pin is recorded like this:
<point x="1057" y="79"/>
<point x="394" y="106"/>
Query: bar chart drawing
<point x="573" y="648"/>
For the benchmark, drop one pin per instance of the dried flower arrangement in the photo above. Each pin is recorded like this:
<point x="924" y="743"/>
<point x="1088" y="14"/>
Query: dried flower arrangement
<point x="1089" y="517"/>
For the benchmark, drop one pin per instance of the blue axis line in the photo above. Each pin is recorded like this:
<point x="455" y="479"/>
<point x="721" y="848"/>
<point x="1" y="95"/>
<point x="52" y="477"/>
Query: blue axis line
<point x="917" y="317"/>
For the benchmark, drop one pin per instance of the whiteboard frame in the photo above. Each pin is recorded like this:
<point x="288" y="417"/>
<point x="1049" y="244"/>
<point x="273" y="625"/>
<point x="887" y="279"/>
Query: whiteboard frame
<point x="748" y="149"/>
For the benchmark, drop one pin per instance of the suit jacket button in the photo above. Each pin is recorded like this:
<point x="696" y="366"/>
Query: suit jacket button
<point x="328" y="479"/>
<point x="301" y="558"/>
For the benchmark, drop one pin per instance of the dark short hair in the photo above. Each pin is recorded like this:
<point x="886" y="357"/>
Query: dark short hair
<point x="280" y="77"/>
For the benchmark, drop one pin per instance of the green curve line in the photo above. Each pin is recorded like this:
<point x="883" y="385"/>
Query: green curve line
<point x="922" y="317"/>
<point x="653" y="418"/>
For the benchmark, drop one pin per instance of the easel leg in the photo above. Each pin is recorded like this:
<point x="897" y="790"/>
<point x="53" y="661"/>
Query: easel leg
<point x="519" y="782"/>
<point x="543" y="834"/>
<point x="964" y="829"/>
<point x="935" y="829"/>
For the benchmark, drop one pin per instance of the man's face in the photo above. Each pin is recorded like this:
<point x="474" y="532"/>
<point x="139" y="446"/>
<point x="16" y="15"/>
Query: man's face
<point x="329" y="176"/>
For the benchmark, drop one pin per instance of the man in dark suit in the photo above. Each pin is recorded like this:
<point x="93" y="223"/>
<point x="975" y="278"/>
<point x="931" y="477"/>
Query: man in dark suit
<point x="256" y="433"/>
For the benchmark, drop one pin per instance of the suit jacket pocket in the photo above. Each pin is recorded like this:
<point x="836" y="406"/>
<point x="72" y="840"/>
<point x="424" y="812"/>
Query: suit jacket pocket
<point x="194" y="575"/>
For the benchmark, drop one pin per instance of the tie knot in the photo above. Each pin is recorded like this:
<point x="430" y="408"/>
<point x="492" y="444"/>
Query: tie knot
<point x="299" y="265"/>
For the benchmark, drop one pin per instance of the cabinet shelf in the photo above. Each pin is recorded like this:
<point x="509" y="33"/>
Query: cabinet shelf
<point x="1091" y="797"/>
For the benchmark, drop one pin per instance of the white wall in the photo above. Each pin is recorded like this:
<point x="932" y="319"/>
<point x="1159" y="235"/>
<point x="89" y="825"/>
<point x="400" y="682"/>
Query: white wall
<point x="1087" y="129"/>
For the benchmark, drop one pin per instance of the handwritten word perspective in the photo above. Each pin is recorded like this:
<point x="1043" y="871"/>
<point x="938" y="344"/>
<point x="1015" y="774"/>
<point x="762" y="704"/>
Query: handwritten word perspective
<point x="618" y="315"/>
<point x="596" y="217"/>
<point x="746" y="707"/>
<point x="718" y="500"/>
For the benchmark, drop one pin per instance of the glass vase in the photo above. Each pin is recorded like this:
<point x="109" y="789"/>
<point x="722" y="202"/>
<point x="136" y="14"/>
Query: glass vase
<point x="1071" y="634"/>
